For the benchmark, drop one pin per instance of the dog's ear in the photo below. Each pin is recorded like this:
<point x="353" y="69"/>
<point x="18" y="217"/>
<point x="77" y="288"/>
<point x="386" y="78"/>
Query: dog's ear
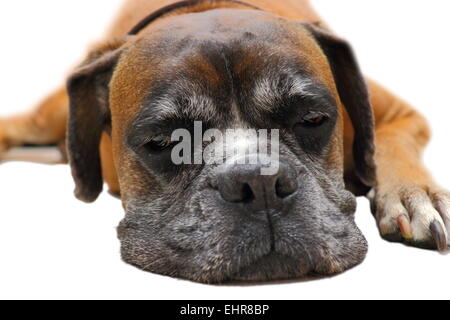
<point x="89" y="116"/>
<point x="354" y="95"/>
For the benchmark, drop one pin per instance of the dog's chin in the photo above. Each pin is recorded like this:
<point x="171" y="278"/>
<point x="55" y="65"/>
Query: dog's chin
<point x="265" y="265"/>
<point x="273" y="267"/>
<point x="270" y="268"/>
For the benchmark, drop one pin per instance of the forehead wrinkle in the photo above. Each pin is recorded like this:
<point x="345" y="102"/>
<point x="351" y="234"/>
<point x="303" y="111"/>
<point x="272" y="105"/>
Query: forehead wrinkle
<point x="268" y="91"/>
<point x="184" y="101"/>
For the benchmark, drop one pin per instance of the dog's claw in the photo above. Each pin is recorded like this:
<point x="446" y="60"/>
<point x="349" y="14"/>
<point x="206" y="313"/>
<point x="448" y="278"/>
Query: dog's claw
<point x="416" y="216"/>
<point x="405" y="227"/>
<point x="439" y="236"/>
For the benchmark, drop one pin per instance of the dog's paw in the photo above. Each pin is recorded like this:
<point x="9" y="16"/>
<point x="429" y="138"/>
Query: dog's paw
<point x="418" y="216"/>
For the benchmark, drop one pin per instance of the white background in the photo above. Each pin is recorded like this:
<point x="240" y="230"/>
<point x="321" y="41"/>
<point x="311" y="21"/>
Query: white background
<point x="52" y="246"/>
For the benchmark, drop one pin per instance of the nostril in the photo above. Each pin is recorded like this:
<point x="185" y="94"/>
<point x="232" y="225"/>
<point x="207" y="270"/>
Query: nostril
<point x="236" y="192"/>
<point x="247" y="193"/>
<point x="285" y="187"/>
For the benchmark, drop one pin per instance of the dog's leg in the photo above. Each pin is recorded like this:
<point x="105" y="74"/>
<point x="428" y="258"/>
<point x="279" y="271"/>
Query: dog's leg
<point x="46" y="125"/>
<point x="407" y="203"/>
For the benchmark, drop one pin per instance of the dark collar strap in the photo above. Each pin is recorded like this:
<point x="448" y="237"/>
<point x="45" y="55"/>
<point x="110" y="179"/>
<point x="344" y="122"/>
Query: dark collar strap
<point x="178" y="5"/>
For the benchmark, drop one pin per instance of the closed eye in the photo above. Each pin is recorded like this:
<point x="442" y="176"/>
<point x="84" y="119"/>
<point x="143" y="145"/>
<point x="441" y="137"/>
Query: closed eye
<point x="159" y="144"/>
<point x="314" y="119"/>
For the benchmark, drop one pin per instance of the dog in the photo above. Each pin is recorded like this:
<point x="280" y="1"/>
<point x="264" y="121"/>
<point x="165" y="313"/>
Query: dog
<point x="262" y="64"/>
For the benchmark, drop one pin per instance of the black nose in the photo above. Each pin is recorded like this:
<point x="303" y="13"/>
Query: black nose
<point x="247" y="183"/>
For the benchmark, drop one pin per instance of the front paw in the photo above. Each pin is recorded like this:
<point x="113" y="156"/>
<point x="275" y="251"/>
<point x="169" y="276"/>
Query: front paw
<point x="416" y="215"/>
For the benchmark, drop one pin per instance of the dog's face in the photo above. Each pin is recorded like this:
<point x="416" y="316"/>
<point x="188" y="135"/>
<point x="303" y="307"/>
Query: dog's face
<point x="229" y="69"/>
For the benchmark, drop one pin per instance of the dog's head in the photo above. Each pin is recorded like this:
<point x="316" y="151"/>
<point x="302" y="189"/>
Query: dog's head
<point x="228" y="69"/>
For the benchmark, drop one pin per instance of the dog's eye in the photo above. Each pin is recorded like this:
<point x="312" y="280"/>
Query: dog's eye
<point x="314" y="119"/>
<point x="159" y="143"/>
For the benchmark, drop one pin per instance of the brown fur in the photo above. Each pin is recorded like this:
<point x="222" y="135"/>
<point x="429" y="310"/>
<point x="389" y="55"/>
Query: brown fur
<point x="393" y="116"/>
<point x="401" y="133"/>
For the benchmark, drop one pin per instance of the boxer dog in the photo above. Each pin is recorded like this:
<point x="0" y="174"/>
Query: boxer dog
<point x="262" y="64"/>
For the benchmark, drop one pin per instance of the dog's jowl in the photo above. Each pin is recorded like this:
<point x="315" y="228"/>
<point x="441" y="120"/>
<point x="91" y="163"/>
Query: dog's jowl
<point x="150" y="113"/>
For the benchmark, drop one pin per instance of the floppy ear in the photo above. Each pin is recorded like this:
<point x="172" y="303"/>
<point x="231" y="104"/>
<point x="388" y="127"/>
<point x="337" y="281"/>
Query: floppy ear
<point x="354" y="95"/>
<point x="89" y="117"/>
